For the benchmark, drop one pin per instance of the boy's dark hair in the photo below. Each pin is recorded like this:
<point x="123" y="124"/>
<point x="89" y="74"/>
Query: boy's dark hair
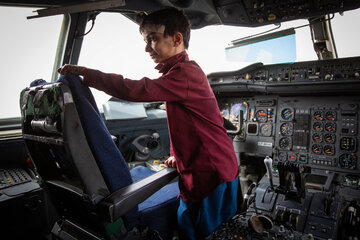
<point x="174" y="21"/>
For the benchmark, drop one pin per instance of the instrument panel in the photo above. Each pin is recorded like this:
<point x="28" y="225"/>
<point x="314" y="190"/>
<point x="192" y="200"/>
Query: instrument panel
<point x="311" y="137"/>
<point x="305" y="117"/>
<point x="317" y="131"/>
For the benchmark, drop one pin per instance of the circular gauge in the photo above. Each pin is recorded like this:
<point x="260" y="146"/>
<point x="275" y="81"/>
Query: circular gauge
<point x="265" y="129"/>
<point x="285" y="143"/>
<point x="286" y="129"/>
<point x="329" y="138"/>
<point x="287" y="114"/>
<point x="261" y="116"/>
<point x="282" y="156"/>
<point x="330" y="127"/>
<point x="318" y="126"/>
<point x="330" y="115"/>
<point x="347" y="160"/>
<point x="329" y="150"/>
<point x="317" y="137"/>
<point x="318" y="115"/>
<point x="316" y="148"/>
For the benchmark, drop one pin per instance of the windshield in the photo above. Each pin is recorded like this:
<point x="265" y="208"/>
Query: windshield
<point x="346" y="34"/>
<point x="27" y="52"/>
<point x="124" y="52"/>
<point x="28" y="48"/>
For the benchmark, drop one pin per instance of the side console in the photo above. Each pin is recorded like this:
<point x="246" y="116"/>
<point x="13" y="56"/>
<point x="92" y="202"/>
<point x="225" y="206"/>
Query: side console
<point x="23" y="202"/>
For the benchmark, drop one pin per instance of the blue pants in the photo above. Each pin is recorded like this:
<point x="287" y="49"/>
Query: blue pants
<point x="197" y="220"/>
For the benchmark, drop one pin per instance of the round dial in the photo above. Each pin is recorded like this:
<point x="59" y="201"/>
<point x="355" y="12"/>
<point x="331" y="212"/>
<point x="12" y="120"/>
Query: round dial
<point x="330" y="115"/>
<point x="261" y="116"/>
<point x="266" y="129"/>
<point x="317" y="137"/>
<point x="347" y="160"/>
<point x="329" y="138"/>
<point x="316" y="148"/>
<point x="286" y="129"/>
<point x="282" y="156"/>
<point x="287" y="114"/>
<point x="318" y="115"/>
<point x="285" y="143"/>
<point x="329" y="150"/>
<point x="330" y="127"/>
<point x="318" y="126"/>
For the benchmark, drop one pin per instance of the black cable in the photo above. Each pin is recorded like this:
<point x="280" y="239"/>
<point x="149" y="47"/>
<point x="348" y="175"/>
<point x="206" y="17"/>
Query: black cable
<point x="312" y="20"/>
<point x="92" y="26"/>
<point x="92" y="17"/>
<point x="247" y="195"/>
<point x="270" y="30"/>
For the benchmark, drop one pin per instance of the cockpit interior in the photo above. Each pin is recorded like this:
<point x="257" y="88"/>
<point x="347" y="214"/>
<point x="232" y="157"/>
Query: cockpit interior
<point x="71" y="172"/>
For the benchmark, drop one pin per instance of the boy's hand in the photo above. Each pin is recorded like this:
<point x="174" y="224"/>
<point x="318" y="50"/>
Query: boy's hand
<point x="171" y="162"/>
<point x="71" y="69"/>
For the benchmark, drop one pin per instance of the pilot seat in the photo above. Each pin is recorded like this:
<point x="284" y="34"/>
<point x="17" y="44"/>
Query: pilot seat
<point x="86" y="176"/>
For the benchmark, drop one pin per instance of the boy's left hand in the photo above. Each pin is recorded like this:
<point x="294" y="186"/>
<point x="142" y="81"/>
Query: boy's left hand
<point x="171" y="162"/>
<point x="71" y="69"/>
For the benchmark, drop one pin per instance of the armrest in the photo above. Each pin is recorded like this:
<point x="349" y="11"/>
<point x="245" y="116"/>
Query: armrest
<point x="125" y="199"/>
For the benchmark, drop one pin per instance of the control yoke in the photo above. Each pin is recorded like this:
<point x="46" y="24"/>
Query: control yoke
<point x="150" y="142"/>
<point x="240" y="123"/>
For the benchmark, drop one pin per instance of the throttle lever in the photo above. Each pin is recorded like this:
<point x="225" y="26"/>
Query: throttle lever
<point x="268" y="165"/>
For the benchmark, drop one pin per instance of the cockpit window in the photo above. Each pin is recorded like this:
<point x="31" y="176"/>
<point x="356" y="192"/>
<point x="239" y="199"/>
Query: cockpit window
<point x="115" y="45"/>
<point x="28" y="48"/>
<point x="346" y="34"/>
<point x="27" y="52"/>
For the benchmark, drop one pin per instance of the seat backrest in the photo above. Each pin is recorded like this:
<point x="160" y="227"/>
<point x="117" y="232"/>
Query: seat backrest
<point x="106" y="153"/>
<point x="70" y="145"/>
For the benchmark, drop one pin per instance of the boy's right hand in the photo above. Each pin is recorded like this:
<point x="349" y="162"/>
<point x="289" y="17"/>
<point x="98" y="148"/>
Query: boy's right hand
<point x="171" y="162"/>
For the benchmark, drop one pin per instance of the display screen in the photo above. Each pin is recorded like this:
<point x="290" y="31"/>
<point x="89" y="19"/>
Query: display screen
<point x="315" y="179"/>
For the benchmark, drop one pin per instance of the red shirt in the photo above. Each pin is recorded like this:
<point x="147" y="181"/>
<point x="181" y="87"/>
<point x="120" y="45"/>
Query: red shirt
<point x="203" y="151"/>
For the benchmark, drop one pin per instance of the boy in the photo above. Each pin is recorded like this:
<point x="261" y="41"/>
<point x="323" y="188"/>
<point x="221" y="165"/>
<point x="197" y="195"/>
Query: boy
<point x="199" y="146"/>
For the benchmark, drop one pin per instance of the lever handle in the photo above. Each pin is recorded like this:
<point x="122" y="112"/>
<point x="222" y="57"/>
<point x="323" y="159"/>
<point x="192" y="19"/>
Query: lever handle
<point x="268" y="165"/>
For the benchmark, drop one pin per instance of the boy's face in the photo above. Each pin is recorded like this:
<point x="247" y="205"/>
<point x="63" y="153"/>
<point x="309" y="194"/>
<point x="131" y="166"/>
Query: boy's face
<point x="160" y="47"/>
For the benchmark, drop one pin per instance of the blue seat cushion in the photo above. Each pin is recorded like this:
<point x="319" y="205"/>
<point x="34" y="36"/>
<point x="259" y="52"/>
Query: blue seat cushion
<point x="158" y="212"/>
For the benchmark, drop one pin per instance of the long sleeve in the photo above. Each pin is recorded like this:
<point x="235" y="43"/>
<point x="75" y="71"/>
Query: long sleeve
<point x="168" y="87"/>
